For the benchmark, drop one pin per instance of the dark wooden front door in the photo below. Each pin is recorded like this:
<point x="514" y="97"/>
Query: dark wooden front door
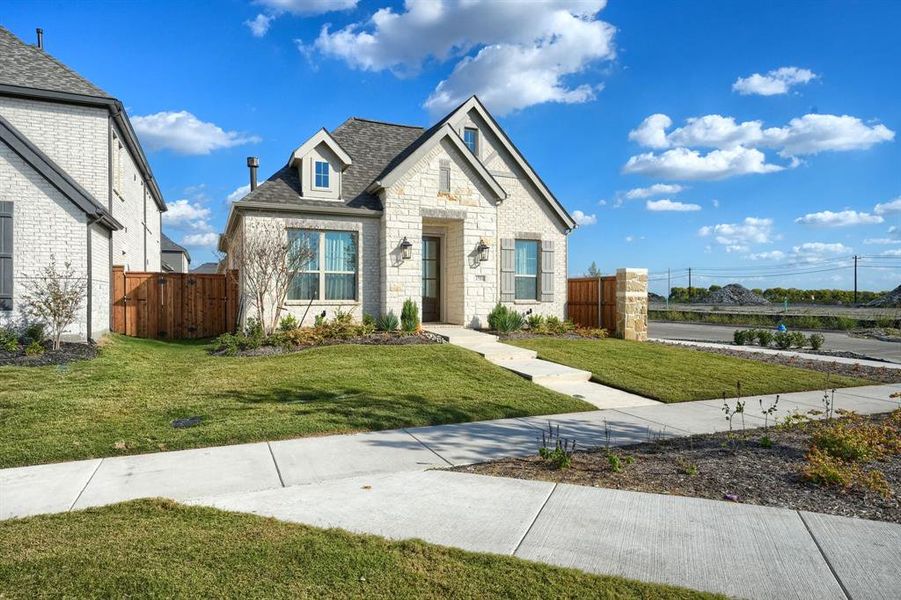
<point x="431" y="279"/>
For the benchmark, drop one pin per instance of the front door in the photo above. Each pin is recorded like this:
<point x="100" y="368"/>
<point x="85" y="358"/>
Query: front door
<point x="431" y="279"/>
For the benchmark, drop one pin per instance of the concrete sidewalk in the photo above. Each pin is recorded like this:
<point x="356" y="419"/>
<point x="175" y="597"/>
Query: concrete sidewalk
<point x="735" y="549"/>
<point x="789" y="353"/>
<point x="205" y="472"/>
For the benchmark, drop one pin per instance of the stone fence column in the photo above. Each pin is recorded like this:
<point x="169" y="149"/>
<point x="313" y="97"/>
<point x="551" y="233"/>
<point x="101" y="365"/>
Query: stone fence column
<point x="632" y="304"/>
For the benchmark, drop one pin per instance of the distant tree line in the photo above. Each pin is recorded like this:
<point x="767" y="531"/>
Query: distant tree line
<point x="778" y="295"/>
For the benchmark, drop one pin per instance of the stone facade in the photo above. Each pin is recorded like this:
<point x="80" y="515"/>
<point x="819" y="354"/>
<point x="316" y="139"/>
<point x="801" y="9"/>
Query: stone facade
<point x="45" y="223"/>
<point x="632" y="304"/>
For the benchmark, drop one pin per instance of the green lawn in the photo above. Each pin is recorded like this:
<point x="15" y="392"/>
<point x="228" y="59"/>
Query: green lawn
<point x="671" y="374"/>
<point x="159" y="549"/>
<point x="124" y="401"/>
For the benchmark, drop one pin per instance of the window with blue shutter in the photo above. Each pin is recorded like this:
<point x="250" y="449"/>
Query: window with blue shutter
<point x="6" y="255"/>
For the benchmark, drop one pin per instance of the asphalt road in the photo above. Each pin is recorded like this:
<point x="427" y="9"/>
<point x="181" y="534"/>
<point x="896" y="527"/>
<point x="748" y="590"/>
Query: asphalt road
<point x="722" y="333"/>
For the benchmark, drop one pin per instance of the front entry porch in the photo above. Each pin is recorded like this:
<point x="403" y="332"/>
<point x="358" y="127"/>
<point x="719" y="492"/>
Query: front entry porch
<point x="442" y="272"/>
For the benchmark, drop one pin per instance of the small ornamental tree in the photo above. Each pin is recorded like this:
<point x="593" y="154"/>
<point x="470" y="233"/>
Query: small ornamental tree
<point x="55" y="297"/>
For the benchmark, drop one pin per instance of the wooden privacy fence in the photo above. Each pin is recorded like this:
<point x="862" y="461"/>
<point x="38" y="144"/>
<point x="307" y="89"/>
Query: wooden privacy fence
<point x="591" y="302"/>
<point x="174" y="305"/>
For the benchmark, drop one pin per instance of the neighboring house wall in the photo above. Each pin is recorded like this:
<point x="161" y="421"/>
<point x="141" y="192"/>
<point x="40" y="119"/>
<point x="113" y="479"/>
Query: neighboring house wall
<point x="45" y="224"/>
<point x="177" y="261"/>
<point x="469" y="217"/>
<point x="367" y="231"/>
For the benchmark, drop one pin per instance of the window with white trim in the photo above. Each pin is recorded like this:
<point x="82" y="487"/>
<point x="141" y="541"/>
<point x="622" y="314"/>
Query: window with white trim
<point x="526" y="270"/>
<point x="331" y="271"/>
<point x="471" y="139"/>
<point x="321" y="174"/>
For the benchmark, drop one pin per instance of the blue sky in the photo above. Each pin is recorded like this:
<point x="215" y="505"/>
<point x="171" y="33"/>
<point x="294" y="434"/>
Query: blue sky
<point x="789" y="165"/>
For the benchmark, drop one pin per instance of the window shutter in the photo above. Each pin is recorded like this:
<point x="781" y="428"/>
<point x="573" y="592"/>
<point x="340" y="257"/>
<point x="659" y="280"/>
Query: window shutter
<point x="508" y="273"/>
<point x="444" y="176"/>
<point x="6" y="255"/>
<point x="547" y="271"/>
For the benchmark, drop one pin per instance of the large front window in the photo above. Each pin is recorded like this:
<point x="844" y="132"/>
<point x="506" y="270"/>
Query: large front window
<point x="331" y="271"/>
<point x="321" y="174"/>
<point x="526" y="265"/>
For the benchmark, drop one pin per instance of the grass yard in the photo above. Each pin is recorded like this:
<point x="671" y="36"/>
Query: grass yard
<point x="124" y="401"/>
<point x="159" y="549"/>
<point x="672" y="374"/>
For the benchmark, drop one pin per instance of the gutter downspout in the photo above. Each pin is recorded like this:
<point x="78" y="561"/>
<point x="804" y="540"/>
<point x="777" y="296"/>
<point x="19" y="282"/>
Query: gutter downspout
<point x="90" y="291"/>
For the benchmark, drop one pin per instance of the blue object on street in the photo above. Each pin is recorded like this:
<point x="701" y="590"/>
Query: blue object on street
<point x="781" y="328"/>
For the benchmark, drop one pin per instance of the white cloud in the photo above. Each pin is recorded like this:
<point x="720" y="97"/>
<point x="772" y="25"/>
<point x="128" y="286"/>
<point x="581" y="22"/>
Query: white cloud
<point x="184" y="214"/>
<point x="602" y="203"/>
<point x="805" y="135"/>
<point x="582" y="219"/>
<point x="888" y="208"/>
<point x="259" y="25"/>
<point x="715" y="203"/>
<point x="184" y="133"/>
<point x="738" y="237"/>
<point x="771" y="255"/>
<point x="239" y="193"/>
<point x="844" y="218"/>
<point x="813" y="252"/>
<point x="510" y="56"/>
<point x="882" y="241"/>
<point x="682" y="163"/>
<point x="896" y="252"/>
<point x="658" y="189"/>
<point x="667" y="205"/>
<point x="778" y="81"/>
<point x="307" y="7"/>
<point x="201" y="240"/>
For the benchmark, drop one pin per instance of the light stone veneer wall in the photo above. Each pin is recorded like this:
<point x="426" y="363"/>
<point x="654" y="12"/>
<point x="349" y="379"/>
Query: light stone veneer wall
<point x="632" y="304"/>
<point x="100" y="281"/>
<point x="367" y="230"/>
<point x="467" y="213"/>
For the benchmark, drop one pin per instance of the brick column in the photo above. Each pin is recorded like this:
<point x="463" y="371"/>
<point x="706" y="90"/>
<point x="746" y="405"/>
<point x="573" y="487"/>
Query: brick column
<point x="632" y="304"/>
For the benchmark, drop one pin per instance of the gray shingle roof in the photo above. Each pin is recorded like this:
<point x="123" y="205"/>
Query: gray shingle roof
<point x="371" y="145"/>
<point x="167" y="245"/>
<point x="206" y="268"/>
<point x="26" y="66"/>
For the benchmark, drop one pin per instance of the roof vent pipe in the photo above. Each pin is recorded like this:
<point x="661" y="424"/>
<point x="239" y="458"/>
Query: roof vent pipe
<point x="253" y="163"/>
<point x="40" y="33"/>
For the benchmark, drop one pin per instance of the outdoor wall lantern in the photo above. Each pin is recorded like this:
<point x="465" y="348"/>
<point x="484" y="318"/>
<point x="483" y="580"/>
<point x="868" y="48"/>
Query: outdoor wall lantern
<point x="406" y="249"/>
<point x="483" y="250"/>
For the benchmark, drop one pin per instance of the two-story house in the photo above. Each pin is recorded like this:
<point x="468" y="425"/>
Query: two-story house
<point x="74" y="184"/>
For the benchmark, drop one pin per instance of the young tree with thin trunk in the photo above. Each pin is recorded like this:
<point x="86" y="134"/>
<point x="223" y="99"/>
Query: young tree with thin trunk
<point x="55" y="297"/>
<point x="267" y="262"/>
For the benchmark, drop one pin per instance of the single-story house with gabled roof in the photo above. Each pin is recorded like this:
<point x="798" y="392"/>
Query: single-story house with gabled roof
<point x="174" y="258"/>
<point x="453" y="217"/>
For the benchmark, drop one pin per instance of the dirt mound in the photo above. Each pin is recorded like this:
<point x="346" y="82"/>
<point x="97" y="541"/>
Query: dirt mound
<point x="735" y="295"/>
<point x="890" y="300"/>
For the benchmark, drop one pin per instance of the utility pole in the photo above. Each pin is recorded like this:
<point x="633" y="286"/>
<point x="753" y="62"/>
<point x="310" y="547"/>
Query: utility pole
<point x="668" y="288"/>
<point x="689" y="285"/>
<point x="855" y="279"/>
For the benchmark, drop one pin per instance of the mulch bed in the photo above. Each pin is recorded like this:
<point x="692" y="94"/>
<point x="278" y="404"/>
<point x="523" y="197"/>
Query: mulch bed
<point x="376" y="339"/>
<point x="706" y="466"/>
<point x="879" y="374"/>
<point x="68" y="352"/>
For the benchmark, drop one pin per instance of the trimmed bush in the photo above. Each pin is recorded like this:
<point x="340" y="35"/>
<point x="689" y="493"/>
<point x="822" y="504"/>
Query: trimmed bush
<point x="764" y="337"/>
<point x="816" y="340"/>
<point x="740" y="337"/>
<point x="288" y="323"/>
<point x="9" y="339"/>
<point x="783" y="340"/>
<point x="798" y="339"/>
<point x="409" y="316"/>
<point x="498" y="312"/>
<point x="387" y="322"/>
<point x="536" y="323"/>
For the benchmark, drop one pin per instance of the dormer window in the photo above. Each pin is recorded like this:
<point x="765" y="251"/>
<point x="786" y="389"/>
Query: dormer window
<point x="471" y="139"/>
<point x="321" y="174"/>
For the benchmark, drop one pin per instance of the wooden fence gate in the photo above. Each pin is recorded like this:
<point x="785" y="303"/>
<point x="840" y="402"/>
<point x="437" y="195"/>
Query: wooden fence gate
<point x="591" y="302"/>
<point x="174" y="305"/>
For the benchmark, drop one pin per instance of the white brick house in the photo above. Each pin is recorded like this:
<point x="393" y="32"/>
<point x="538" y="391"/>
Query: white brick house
<point x="74" y="184"/>
<point x="452" y="217"/>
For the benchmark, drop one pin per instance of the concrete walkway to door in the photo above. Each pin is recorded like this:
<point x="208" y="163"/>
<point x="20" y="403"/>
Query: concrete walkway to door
<point x="523" y="362"/>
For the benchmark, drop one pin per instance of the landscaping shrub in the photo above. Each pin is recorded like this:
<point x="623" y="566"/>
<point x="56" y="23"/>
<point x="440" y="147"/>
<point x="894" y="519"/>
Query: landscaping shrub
<point x="816" y="341"/>
<point x="288" y="323"/>
<point x="783" y="340"/>
<point x="509" y="322"/>
<point x="589" y="332"/>
<point x="9" y="339"/>
<point x="409" y="316"/>
<point x="554" y="449"/>
<point x="34" y="348"/>
<point x="740" y="337"/>
<point x="764" y="337"/>
<point x="798" y="339"/>
<point x="387" y="322"/>
<point x="496" y="313"/>
<point x="536" y="323"/>
<point x="319" y="321"/>
<point x="368" y="320"/>
<point x="34" y="332"/>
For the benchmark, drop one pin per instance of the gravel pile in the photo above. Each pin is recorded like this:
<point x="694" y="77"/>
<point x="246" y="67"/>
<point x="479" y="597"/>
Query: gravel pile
<point x="890" y="300"/>
<point x="736" y="295"/>
<point x="652" y="297"/>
